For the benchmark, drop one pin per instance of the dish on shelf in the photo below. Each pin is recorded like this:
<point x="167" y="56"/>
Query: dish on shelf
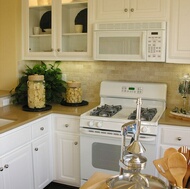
<point x="81" y="19"/>
<point x="45" y="22"/>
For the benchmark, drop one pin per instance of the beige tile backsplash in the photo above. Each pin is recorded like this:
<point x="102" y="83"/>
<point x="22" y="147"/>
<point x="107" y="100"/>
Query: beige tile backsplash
<point x="90" y="74"/>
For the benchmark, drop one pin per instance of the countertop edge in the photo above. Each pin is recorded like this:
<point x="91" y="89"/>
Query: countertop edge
<point x="20" y="117"/>
<point x="15" y="112"/>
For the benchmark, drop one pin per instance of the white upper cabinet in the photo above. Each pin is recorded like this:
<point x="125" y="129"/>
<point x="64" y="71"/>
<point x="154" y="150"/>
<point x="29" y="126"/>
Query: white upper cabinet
<point x="49" y="30"/>
<point x="113" y="10"/>
<point x="178" y="32"/>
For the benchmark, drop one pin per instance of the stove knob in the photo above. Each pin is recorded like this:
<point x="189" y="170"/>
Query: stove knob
<point x="144" y="129"/>
<point x="99" y="124"/>
<point x="90" y="123"/>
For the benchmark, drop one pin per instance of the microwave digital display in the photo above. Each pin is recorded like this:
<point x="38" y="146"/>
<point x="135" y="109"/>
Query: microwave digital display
<point x="131" y="88"/>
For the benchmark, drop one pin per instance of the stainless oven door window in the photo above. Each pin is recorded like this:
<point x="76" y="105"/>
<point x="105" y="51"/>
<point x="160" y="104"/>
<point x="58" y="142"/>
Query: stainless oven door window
<point x="106" y="156"/>
<point x="86" y="143"/>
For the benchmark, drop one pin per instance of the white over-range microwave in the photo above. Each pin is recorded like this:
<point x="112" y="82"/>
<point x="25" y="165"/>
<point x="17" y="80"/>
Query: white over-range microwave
<point x="140" y="41"/>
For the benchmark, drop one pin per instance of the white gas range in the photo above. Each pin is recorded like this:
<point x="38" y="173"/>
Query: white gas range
<point x="125" y="94"/>
<point x="100" y="128"/>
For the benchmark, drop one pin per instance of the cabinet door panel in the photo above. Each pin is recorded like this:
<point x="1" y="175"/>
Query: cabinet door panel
<point x="111" y="9"/>
<point x="130" y="9"/>
<point x="176" y="137"/>
<point x="67" y="160"/>
<point x="42" y="164"/>
<point x="19" y="173"/>
<point x="147" y="8"/>
<point x="179" y="41"/>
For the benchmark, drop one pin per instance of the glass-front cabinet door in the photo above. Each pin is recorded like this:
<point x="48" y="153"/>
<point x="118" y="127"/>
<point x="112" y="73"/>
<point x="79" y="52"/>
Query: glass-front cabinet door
<point x="37" y="29"/>
<point x="73" y="27"/>
<point x="55" y="29"/>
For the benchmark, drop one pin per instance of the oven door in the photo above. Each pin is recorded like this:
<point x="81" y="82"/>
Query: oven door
<point x="101" y="153"/>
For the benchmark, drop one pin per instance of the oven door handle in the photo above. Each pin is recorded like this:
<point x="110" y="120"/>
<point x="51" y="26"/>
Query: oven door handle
<point x="147" y="138"/>
<point x="90" y="132"/>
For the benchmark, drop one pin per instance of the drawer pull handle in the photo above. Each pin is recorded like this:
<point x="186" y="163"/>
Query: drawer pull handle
<point x="132" y="10"/>
<point x="6" y="166"/>
<point x="125" y="10"/>
<point x="1" y="168"/>
<point x="75" y="143"/>
<point x="42" y="128"/>
<point x="179" y="138"/>
<point x="66" y="125"/>
<point x="36" y="149"/>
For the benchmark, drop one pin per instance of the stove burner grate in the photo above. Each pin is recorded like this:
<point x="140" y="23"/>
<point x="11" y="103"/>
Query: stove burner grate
<point x="106" y="110"/>
<point x="147" y="114"/>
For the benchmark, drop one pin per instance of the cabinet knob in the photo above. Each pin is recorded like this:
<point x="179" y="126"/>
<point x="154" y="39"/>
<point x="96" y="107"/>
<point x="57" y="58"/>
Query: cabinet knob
<point x="58" y="50"/>
<point x="42" y="128"/>
<point x="1" y="168"/>
<point x="6" y="166"/>
<point x="75" y="143"/>
<point x="66" y="125"/>
<point x="179" y="138"/>
<point x="132" y="10"/>
<point x="125" y="10"/>
<point x="36" y="149"/>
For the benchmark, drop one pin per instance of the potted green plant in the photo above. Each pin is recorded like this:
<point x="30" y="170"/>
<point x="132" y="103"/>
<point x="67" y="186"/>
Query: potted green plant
<point x="54" y="85"/>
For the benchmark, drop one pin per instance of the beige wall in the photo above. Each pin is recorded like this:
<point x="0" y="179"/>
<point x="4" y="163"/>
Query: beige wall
<point x="10" y="43"/>
<point x="89" y="73"/>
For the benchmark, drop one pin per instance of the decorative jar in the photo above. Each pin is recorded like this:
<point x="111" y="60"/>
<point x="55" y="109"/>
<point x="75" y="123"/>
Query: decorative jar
<point x="36" y="91"/>
<point x="74" y="92"/>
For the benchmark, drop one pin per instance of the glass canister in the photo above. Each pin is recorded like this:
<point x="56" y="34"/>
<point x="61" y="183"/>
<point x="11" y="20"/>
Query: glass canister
<point x="184" y="90"/>
<point x="74" y="92"/>
<point x="36" y="91"/>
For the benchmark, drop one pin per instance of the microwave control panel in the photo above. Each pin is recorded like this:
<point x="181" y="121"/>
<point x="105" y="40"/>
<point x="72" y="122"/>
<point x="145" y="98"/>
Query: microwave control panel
<point x="156" y="46"/>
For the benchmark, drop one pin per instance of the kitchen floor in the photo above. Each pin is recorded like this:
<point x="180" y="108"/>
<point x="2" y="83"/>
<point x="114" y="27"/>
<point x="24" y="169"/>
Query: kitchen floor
<point x="54" y="185"/>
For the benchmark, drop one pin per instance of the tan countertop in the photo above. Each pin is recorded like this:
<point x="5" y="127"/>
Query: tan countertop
<point x="21" y="117"/>
<point x="15" y="112"/>
<point x="166" y="119"/>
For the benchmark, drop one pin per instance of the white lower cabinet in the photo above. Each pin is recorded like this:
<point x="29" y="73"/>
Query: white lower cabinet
<point x="67" y="161"/>
<point x="41" y="162"/>
<point x="16" y="169"/>
<point x="66" y="144"/>
<point x="172" y="136"/>
<point x="26" y="156"/>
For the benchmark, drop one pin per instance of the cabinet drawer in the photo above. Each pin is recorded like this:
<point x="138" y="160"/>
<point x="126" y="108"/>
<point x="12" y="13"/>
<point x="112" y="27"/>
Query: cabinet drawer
<point x="175" y="136"/>
<point x="40" y="128"/>
<point x="67" y="124"/>
<point x="14" y="140"/>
